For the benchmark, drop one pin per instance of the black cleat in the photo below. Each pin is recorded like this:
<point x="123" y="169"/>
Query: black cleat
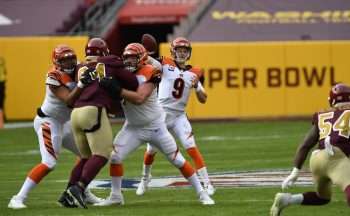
<point x="67" y="201"/>
<point x="77" y="193"/>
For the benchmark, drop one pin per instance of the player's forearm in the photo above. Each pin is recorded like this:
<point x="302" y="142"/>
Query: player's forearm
<point x="73" y="96"/>
<point x="301" y="156"/>
<point x="133" y="97"/>
<point x="201" y="96"/>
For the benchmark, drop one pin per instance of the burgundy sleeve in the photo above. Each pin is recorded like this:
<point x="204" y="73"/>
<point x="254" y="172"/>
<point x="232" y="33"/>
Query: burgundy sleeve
<point x="127" y="79"/>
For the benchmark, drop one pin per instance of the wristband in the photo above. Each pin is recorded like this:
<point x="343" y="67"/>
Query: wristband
<point x="80" y="85"/>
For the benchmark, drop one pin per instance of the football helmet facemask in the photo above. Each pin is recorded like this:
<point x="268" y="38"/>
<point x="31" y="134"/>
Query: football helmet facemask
<point x="180" y="42"/>
<point x="96" y="47"/>
<point x="339" y="94"/>
<point x="134" y="56"/>
<point x="64" y="59"/>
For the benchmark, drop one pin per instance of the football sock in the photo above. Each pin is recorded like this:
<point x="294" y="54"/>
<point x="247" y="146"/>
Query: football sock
<point x="92" y="167"/>
<point x="194" y="181"/>
<point x="204" y="174"/>
<point x="311" y="198"/>
<point x="76" y="172"/>
<point x="116" y="172"/>
<point x="187" y="170"/>
<point x="39" y="172"/>
<point x="33" y="178"/>
<point x="27" y="186"/>
<point x="347" y="193"/>
<point x="196" y="157"/>
<point x="296" y="198"/>
<point x="148" y="160"/>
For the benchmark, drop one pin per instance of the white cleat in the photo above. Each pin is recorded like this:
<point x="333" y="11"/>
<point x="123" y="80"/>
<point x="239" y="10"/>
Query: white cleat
<point x="209" y="188"/>
<point x="16" y="203"/>
<point x="90" y="198"/>
<point x="205" y="199"/>
<point x="281" y="201"/>
<point x="112" y="200"/>
<point x="141" y="189"/>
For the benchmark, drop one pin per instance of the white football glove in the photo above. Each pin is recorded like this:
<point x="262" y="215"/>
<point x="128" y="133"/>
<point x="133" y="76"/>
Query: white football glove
<point x="291" y="178"/>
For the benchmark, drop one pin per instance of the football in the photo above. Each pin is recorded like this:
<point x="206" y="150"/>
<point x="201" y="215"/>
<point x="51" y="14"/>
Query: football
<point x="149" y="42"/>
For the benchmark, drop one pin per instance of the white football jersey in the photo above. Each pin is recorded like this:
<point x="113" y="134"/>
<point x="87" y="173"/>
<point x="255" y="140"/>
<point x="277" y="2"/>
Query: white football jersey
<point x="53" y="106"/>
<point x="148" y="112"/>
<point x="175" y="87"/>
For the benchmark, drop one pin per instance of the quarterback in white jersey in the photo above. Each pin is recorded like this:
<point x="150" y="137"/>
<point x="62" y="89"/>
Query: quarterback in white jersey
<point x="52" y="121"/>
<point x="178" y="80"/>
<point x="145" y="123"/>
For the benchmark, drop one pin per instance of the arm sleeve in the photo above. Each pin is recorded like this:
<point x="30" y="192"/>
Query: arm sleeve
<point x="127" y="80"/>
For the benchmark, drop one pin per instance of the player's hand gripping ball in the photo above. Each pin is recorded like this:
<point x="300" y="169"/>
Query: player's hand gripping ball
<point x="150" y="43"/>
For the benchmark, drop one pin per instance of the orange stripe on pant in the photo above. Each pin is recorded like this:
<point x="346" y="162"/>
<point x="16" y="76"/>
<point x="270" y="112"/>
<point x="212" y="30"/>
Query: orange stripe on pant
<point x="196" y="157"/>
<point x="116" y="170"/>
<point x="187" y="170"/>
<point x="39" y="172"/>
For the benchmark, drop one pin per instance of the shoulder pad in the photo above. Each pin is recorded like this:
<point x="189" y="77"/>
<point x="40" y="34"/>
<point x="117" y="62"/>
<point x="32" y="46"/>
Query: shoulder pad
<point x="167" y="61"/>
<point x="150" y="72"/>
<point x="197" y="71"/>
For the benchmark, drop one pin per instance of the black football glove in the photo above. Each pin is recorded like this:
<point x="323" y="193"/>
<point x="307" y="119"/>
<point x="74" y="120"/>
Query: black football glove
<point x="112" y="86"/>
<point x="156" y="77"/>
<point x="87" y="76"/>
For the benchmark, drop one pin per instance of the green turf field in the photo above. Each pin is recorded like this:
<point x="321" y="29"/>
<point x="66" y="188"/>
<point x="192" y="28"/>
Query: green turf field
<point x="225" y="147"/>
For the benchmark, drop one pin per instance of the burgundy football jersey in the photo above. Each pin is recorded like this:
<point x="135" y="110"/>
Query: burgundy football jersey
<point x="334" y="122"/>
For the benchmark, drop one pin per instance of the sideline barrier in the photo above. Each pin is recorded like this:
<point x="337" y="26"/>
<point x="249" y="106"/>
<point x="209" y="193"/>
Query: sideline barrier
<point x="267" y="79"/>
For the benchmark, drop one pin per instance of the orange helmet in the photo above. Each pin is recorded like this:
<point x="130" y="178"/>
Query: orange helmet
<point x="340" y="93"/>
<point x="134" y="56"/>
<point x="96" y="47"/>
<point x="64" y="59"/>
<point x="180" y="42"/>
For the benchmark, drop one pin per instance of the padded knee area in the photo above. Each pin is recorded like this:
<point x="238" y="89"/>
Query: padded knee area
<point x="189" y="142"/>
<point x="115" y="158"/>
<point x="176" y="159"/>
<point x="151" y="150"/>
<point x="50" y="163"/>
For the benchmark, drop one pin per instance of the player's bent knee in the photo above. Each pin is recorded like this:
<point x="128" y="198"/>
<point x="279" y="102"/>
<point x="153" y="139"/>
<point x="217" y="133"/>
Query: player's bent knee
<point x="115" y="158"/>
<point x="151" y="150"/>
<point x="51" y="164"/>
<point x="176" y="159"/>
<point x="189" y="143"/>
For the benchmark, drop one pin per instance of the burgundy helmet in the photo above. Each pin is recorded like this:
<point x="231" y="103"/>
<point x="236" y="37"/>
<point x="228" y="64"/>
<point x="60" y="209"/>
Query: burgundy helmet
<point x="340" y="93"/>
<point x="96" y="47"/>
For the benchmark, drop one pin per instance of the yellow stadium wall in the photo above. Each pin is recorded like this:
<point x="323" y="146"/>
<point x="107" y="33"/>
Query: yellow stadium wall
<point x="27" y="61"/>
<point x="267" y="79"/>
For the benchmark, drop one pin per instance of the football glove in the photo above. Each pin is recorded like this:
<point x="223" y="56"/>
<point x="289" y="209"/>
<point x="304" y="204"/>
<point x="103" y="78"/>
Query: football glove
<point x="112" y="86"/>
<point x="291" y="178"/>
<point x="156" y="77"/>
<point x="87" y="76"/>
